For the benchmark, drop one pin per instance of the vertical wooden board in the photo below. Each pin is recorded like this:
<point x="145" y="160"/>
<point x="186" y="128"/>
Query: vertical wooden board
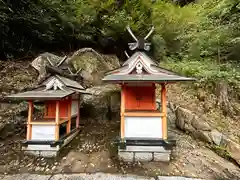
<point x="51" y="109"/>
<point x="122" y="111"/>
<point x="78" y="116"/>
<point x="57" y="120"/>
<point x="130" y="102"/>
<point x="147" y="100"/>
<point x="69" y="115"/>
<point x="140" y="98"/>
<point x="29" y="126"/>
<point x="64" y="107"/>
<point x="164" y="110"/>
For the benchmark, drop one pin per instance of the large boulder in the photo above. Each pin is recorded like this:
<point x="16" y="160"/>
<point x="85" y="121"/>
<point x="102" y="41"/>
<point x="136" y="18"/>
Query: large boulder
<point x="104" y="105"/>
<point x="232" y="148"/>
<point x="42" y="61"/>
<point x="92" y="65"/>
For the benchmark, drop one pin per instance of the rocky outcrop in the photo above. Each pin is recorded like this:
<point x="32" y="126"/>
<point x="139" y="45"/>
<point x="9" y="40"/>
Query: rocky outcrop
<point x="90" y="64"/>
<point x="93" y="65"/>
<point x="104" y="105"/>
<point x="189" y="122"/>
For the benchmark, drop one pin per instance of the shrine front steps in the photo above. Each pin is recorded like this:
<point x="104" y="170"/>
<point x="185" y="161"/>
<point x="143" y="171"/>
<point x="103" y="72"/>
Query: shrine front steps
<point x="144" y="154"/>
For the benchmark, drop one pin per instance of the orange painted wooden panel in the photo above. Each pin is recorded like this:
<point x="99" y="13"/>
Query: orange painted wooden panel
<point x="140" y="98"/>
<point x="51" y="108"/>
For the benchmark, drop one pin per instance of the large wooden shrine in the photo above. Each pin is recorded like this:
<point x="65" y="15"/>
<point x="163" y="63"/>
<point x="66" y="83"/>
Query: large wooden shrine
<point x="59" y="122"/>
<point x="144" y="131"/>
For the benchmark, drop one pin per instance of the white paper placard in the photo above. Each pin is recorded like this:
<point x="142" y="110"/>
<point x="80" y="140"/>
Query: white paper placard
<point x="144" y="127"/>
<point x="43" y="132"/>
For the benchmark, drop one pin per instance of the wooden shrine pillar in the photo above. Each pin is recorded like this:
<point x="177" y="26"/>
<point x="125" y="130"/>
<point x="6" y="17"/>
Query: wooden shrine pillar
<point x="57" y="121"/>
<point x="69" y="115"/>
<point x="29" y="123"/>
<point x="164" y="111"/>
<point x="78" y="115"/>
<point x="122" y="111"/>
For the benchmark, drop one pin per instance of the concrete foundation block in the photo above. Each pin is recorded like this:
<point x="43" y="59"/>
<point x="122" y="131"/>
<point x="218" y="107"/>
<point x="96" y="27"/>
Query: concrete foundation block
<point x="162" y="157"/>
<point x="143" y="156"/>
<point x="33" y="153"/>
<point x="126" y="156"/>
<point x="48" y="153"/>
<point x="41" y="153"/>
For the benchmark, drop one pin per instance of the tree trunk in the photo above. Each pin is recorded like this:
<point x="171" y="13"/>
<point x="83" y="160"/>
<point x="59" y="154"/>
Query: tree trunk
<point x="223" y="99"/>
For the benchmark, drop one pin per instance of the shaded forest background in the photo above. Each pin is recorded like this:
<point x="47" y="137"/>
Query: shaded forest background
<point x="198" y="38"/>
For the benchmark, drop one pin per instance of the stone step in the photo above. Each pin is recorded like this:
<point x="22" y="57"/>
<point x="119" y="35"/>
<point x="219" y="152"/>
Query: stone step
<point x="144" y="156"/>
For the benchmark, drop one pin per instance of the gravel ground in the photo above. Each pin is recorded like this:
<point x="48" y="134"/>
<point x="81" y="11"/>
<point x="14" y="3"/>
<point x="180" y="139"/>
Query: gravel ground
<point x="97" y="176"/>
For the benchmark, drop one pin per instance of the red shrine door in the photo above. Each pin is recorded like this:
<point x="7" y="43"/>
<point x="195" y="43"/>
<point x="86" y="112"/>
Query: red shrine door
<point x="140" y="97"/>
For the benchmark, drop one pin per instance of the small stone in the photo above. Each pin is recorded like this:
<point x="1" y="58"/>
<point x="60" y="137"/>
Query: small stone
<point x="54" y="167"/>
<point x="37" y="168"/>
<point x="216" y="137"/>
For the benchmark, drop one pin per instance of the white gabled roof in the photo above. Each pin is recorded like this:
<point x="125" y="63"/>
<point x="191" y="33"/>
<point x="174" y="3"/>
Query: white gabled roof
<point x="140" y="67"/>
<point x="62" y="82"/>
<point x="136" y="55"/>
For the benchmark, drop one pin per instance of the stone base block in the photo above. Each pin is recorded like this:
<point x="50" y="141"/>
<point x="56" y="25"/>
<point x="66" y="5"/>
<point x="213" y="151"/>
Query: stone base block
<point x="126" y="156"/>
<point x="41" y="150"/>
<point x="48" y="154"/>
<point x="144" y="156"/>
<point x="163" y="157"/>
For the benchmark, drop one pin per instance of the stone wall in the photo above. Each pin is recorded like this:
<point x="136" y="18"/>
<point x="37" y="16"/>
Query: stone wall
<point x="189" y="122"/>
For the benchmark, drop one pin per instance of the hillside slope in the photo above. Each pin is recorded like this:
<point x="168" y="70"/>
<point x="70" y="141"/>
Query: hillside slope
<point x="93" y="146"/>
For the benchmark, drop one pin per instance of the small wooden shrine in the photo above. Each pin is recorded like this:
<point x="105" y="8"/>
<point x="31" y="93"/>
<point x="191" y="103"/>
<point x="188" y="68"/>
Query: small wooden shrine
<point x="59" y="123"/>
<point x="144" y="132"/>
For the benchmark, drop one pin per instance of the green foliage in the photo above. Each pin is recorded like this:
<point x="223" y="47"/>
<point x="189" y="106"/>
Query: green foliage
<point x="200" y="40"/>
<point x="58" y="25"/>
<point x="221" y="151"/>
<point x="173" y="23"/>
<point x="207" y="72"/>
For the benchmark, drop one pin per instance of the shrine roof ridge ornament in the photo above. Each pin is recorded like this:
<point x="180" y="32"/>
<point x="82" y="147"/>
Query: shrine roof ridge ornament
<point x="140" y="43"/>
<point x="140" y="67"/>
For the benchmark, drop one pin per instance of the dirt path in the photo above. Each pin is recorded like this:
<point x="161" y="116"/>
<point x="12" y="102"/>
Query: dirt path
<point x="93" y="151"/>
